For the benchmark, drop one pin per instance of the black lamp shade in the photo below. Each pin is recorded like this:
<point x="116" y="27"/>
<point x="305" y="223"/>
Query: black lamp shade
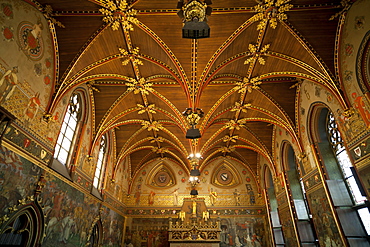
<point x="193" y="134"/>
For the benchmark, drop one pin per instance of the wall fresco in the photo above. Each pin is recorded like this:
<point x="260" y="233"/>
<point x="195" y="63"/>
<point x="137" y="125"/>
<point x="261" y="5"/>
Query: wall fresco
<point x="18" y="178"/>
<point x="288" y="228"/>
<point x="148" y="232"/>
<point x="26" y="65"/>
<point x="68" y="213"/>
<point x="243" y="231"/>
<point x="323" y="219"/>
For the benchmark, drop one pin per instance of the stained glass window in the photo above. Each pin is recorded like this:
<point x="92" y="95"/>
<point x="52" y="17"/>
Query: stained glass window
<point x="100" y="162"/>
<point x="68" y="130"/>
<point x="347" y="168"/>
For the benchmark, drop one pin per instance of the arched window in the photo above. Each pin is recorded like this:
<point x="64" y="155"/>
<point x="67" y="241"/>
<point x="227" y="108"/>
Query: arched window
<point x="304" y="221"/>
<point x="100" y="163"/>
<point x="94" y="240"/>
<point x="273" y="210"/>
<point x="348" y="172"/>
<point x="24" y="228"/>
<point x="68" y="131"/>
<point x="348" y="201"/>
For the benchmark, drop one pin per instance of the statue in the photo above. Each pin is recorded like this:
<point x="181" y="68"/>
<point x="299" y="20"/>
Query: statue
<point x="182" y="215"/>
<point x="212" y="196"/>
<point x="237" y="197"/>
<point x="194" y="208"/>
<point x="205" y="215"/>
<point x="175" y="194"/>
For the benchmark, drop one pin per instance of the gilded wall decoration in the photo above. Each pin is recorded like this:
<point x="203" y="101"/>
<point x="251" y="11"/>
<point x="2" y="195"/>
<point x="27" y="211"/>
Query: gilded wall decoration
<point x="161" y="177"/>
<point x="225" y="176"/>
<point x="28" y="144"/>
<point x="312" y="180"/>
<point x="361" y="150"/>
<point x="353" y="41"/>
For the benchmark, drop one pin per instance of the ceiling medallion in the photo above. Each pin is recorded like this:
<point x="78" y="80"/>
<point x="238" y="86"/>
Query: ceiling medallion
<point x="241" y="108"/>
<point x="146" y="108"/>
<point x="257" y="55"/>
<point x="247" y="84"/>
<point x="139" y="86"/>
<point x="235" y="124"/>
<point x="131" y="56"/>
<point x="230" y="138"/>
<point x="119" y="12"/>
<point x="159" y="150"/>
<point x="152" y="125"/>
<point x="226" y="149"/>
<point x="271" y="10"/>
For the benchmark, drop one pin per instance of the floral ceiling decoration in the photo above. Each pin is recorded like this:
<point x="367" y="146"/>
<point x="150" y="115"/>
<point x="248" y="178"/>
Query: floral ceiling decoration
<point x="119" y="13"/>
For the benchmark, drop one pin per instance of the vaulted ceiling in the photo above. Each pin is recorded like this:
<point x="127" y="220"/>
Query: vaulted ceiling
<point x="244" y="77"/>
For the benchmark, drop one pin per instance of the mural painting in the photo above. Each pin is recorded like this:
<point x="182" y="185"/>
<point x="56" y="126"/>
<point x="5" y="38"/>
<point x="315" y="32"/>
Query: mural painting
<point x="68" y="213"/>
<point x="323" y="219"/>
<point x="243" y="231"/>
<point x="288" y="227"/>
<point x="112" y="227"/>
<point x="149" y="232"/>
<point x="18" y="178"/>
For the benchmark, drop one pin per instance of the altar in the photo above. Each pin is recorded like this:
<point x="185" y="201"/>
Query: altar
<point x="194" y="227"/>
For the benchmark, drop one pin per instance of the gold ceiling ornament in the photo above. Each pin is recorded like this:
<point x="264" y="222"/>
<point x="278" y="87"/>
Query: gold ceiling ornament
<point x="194" y="9"/>
<point x="152" y="125"/>
<point x="139" y="86"/>
<point x="230" y="138"/>
<point x="247" y="84"/>
<point x="48" y="12"/>
<point x="159" y="150"/>
<point x="156" y="139"/>
<point x="131" y="56"/>
<point x="226" y="149"/>
<point x="47" y="117"/>
<point x="346" y="4"/>
<point x="119" y="12"/>
<point x="257" y="54"/>
<point x="236" y="124"/>
<point x="149" y="109"/>
<point x="271" y="10"/>
<point x="193" y="116"/>
<point x="239" y="107"/>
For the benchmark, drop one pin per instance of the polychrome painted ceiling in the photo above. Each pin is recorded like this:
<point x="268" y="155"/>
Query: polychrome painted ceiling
<point x="143" y="75"/>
